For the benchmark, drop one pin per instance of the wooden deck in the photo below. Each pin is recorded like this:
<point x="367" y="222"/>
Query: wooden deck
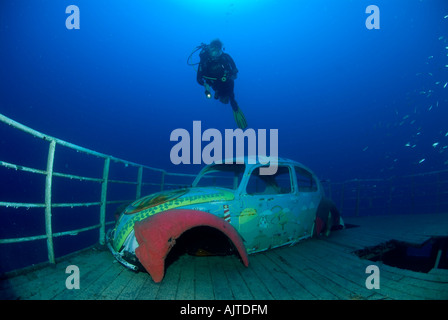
<point x="323" y="268"/>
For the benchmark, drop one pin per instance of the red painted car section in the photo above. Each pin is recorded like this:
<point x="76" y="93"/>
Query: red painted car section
<point x="157" y="234"/>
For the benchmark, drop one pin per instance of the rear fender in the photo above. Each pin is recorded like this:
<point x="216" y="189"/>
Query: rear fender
<point x="157" y="234"/>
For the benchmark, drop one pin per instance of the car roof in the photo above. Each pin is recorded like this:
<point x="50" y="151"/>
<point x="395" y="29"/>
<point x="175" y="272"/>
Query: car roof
<point x="256" y="160"/>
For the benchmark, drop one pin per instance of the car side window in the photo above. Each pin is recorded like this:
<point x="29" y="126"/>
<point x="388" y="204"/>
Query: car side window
<point x="278" y="183"/>
<point x="305" y="180"/>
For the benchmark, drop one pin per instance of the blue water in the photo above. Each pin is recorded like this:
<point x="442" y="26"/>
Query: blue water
<point x="347" y="101"/>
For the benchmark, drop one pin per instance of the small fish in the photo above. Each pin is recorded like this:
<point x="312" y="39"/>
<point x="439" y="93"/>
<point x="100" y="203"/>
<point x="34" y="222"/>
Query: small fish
<point x="421" y="160"/>
<point x="430" y="57"/>
<point x="446" y="83"/>
<point x="408" y="144"/>
<point x="405" y="117"/>
<point x="430" y="108"/>
<point x="413" y="121"/>
<point x="365" y="149"/>
<point x="445" y="16"/>
<point x="446" y="134"/>
<point x="435" y="144"/>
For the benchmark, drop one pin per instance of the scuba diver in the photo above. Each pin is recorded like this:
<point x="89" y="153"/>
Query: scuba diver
<point x="218" y="71"/>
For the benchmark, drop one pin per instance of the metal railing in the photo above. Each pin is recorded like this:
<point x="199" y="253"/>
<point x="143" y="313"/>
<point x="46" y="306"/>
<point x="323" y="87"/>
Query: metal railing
<point x="50" y="174"/>
<point x="422" y="193"/>
<point x="353" y="197"/>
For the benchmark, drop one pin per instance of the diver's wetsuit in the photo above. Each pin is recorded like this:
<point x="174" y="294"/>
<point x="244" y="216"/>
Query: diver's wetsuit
<point x="214" y="71"/>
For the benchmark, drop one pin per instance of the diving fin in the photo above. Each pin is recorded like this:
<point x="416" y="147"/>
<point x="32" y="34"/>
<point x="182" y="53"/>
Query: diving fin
<point x="240" y="119"/>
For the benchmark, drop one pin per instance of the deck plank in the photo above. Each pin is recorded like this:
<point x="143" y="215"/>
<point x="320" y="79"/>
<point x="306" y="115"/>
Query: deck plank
<point x="148" y="290"/>
<point x="51" y="277"/>
<point x="349" y="278"/>
<point x="133" y="287"/>
<point x="115" y="286"/>
<point x="95" y="288"/>
<point x="168" y="287"/>
<point x="276" y="289"/>
<point x="294" y="289"/>
<point x="353" y="268"/>
<point x="219" y="281"/>
<point x="202" y="284"/>
<point x="186" y="288"/>
<point x="257" y="288"/>
<point x="298" y="272"/>
<point x="320" y="268"/>
<point x="237" y="283"/>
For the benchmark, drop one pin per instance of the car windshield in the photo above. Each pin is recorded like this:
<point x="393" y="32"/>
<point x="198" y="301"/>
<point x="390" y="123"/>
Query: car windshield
<point x="221" y="175"/>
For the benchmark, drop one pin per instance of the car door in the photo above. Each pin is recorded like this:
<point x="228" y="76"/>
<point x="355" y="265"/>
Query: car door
<point x="268" y="218"/>
<point x="308" y="198"/>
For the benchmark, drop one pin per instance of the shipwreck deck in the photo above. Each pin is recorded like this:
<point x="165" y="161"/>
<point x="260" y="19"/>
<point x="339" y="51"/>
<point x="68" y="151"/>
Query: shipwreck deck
<point x="324" y="268"/>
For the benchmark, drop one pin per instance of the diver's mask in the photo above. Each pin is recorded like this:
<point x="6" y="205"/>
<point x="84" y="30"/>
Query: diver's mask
<point x="215" y="53"/>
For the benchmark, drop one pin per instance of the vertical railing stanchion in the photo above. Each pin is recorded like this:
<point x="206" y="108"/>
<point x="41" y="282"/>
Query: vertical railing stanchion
<point x="162" y="181"/>
<point x="438" y="193"/>
<point x="412" y="195"/>
<point x="48" y="183"/>
<point x="103" y="201"/>
<point x="139" y="182"/>
<point x="357" y="199"/>
<point x="389" y="197"/>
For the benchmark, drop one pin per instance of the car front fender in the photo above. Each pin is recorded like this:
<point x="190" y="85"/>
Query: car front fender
<point x="157" y="234"/>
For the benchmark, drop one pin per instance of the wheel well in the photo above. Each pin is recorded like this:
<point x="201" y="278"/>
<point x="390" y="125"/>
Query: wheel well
<point x="202" y="241"/>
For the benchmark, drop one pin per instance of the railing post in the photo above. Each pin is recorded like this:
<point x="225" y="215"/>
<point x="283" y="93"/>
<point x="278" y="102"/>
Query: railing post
<point x="139" y="182"/>
<point x="48" y="183"/>
<point x="357" y="199"/>
<point x="438" y="192"/>
<point x="412" y="195"/>
<point x="389" y="199"/>
<point x="103" y="201"/>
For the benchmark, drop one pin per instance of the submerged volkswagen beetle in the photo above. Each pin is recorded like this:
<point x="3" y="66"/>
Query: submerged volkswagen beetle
<point x="252" y="211"/>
